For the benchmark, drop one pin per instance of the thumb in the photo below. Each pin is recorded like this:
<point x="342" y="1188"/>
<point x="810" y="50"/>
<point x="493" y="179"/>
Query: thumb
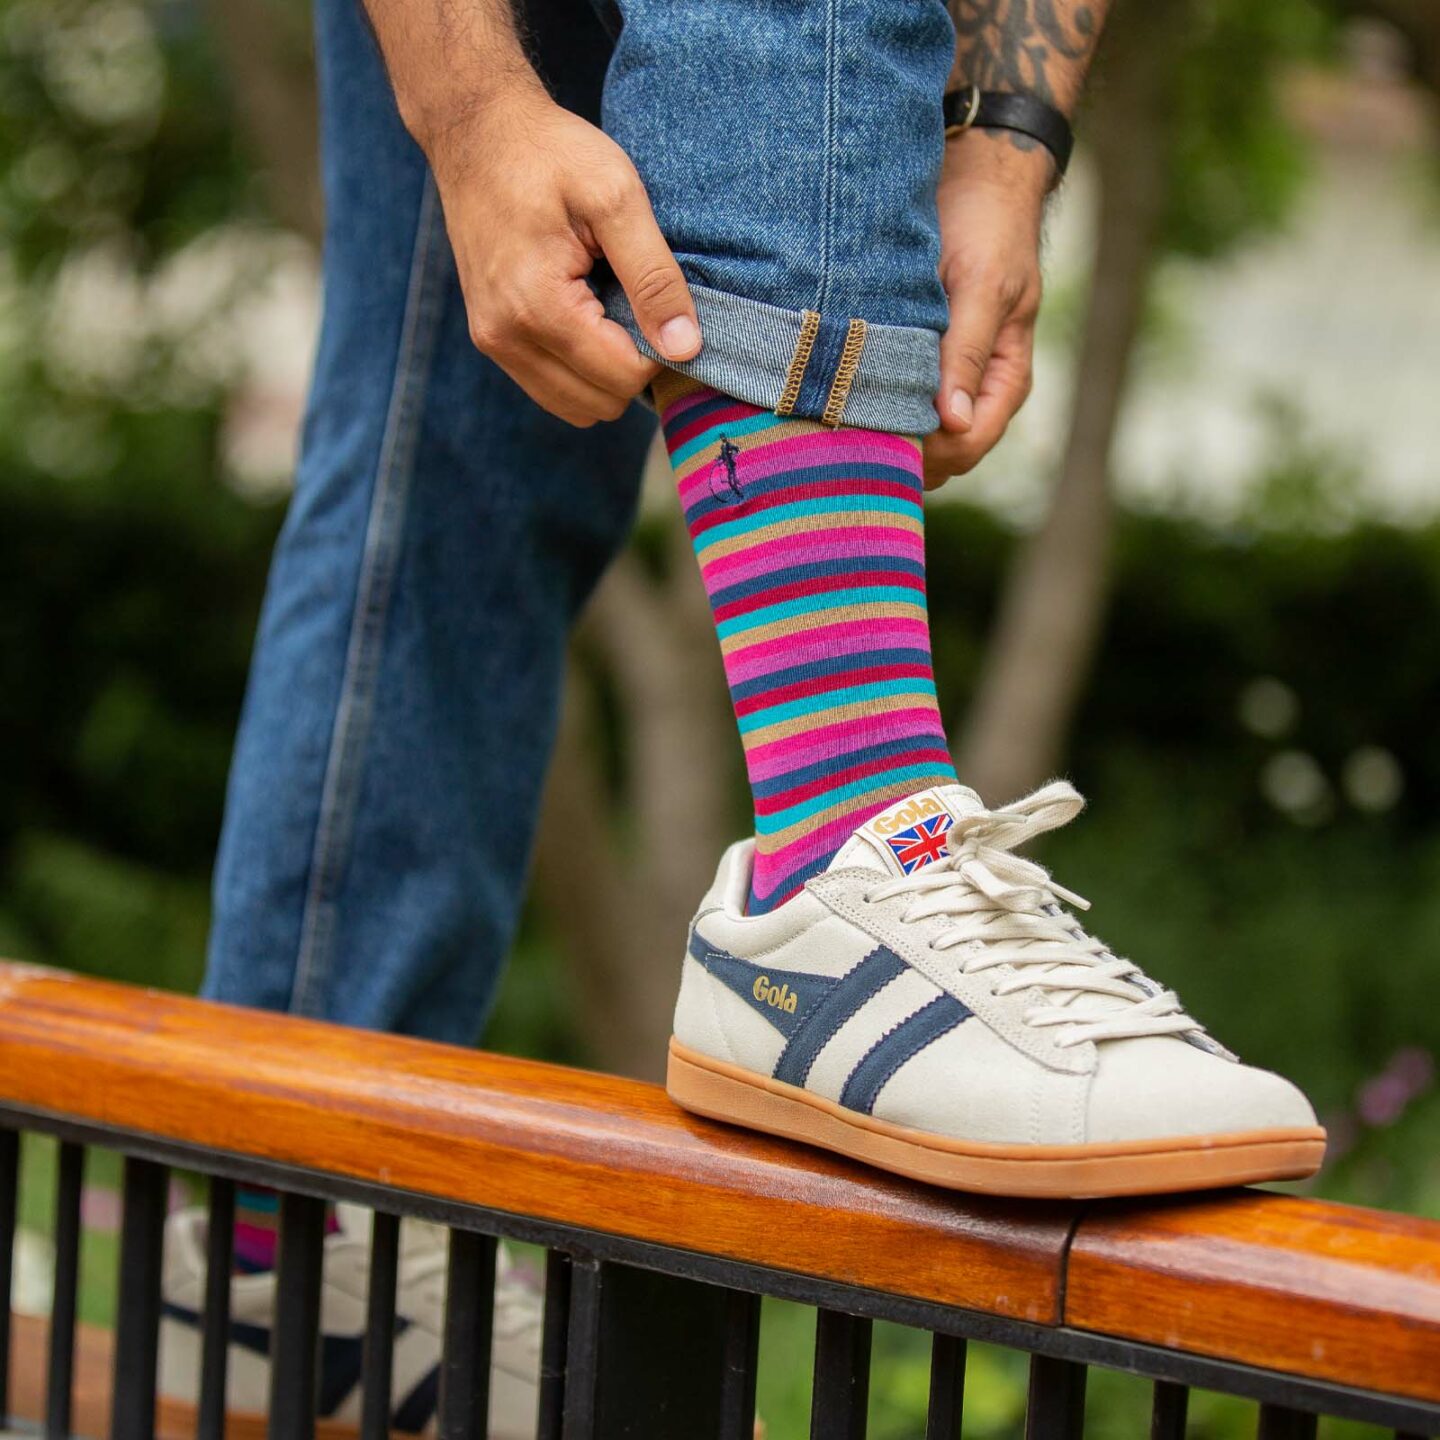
<point x="976" y="314"/>
<point x="647" y="272"/>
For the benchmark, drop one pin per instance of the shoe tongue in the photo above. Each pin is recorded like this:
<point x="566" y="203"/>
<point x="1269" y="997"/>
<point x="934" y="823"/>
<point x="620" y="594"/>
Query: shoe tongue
<point x="910" y="834"/>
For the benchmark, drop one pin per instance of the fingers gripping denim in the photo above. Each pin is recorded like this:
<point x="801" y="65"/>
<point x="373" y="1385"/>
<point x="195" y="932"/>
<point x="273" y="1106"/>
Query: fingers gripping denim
<point x="791" y="150"/>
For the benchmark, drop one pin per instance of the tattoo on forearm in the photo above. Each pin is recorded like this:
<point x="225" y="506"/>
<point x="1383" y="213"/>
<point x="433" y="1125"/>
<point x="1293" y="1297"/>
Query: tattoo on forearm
<point x="1042" y="46"/>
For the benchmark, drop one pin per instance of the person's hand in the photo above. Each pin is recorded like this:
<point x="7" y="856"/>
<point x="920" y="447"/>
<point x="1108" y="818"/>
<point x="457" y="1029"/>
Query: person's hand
<point x="991" y="202"/>
<point x="533" y="196"/>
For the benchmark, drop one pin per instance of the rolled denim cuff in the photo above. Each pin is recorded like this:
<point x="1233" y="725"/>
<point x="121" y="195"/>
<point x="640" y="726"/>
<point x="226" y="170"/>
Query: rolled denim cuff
<point x="829" y="368"/>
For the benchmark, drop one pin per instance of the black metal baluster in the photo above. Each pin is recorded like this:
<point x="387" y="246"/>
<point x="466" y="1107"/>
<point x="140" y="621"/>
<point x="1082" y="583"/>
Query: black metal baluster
<point x="1167" y="1413"/>
<point x="137" y="1305"/>
<point x="947" y="1388"/>
<point x="582" y="1351"/>
<point x="215" y="1324"/>
<point x="552" y="1346"/>
<point x="295" y="1338"/>
<point x="1280" y="1422"/>
<point x="1056" y="1407"/>
<point x="9" y="1186"/>
<point x="465" y="1360"/>
<point x="379" y="1363"/>
<point x="645" y="1354"/>
<point x="741" y="1361"/>
<point x="842" y="1376"/>
<point x="70" y="1177"/>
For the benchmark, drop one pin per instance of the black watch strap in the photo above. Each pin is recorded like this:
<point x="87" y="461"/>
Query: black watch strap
<point x="970" y="107"/>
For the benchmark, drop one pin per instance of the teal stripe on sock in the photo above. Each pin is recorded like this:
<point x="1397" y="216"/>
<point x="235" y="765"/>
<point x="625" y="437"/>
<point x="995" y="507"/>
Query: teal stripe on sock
<point x="835" y="799"/>
<point x="815" y="604"/>
<point x="767" y="421"/>
<point x="829" y="699"/>
<point x="802" y="509"/>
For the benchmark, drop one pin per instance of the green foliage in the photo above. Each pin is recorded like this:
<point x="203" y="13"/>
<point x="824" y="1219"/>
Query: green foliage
<point x="1237" y="166"/>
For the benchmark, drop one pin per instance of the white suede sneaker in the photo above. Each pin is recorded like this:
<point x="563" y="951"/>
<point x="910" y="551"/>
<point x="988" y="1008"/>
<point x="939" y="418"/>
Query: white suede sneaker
<point x="420" y="1303"/>
<point x="927" y="1005"/>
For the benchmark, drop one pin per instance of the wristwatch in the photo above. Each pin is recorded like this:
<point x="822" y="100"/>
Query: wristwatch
<point x="971" y="107"/>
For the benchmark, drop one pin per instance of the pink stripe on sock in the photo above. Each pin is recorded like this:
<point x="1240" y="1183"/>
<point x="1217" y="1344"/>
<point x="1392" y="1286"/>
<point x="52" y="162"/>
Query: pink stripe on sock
<point x="684" y="433"/>
<point x="803" y="549"/>
<point x="819" y="585"/>
<point x="779" y="757"/>
<point x="936" y="755"/>
<point x="755" y="505"/>
<point x="863" y="673"/>
<point x="834" y="447"/>
<point x="686" y="403"/>
<point x="845" y="637"/>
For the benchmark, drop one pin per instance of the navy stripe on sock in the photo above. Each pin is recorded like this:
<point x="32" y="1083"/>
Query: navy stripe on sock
<point x="891" y="1051"/>
<point x="832" y="764"/>
<point x="846" y="565"/>
<point x="856" y="987"/>
<point x="812" y="479"/>
<point x="829" y="665"/>
<point x="699" y="411"/>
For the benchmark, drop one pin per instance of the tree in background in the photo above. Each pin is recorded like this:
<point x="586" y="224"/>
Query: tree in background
<point x="1190" y="157"/>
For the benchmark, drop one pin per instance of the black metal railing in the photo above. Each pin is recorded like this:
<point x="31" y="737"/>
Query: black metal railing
<point x="639" y="1339"/>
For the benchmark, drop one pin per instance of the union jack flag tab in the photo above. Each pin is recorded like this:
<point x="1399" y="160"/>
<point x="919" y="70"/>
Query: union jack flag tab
<point x="920" y="844"/>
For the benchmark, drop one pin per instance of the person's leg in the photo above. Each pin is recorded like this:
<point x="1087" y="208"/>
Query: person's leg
<point x="924" y="1001"/>
<point x="791" y="151"/>
<point x="403" y="691"/>
<point x="404" y="686"/>
<point x="810" y="543"/>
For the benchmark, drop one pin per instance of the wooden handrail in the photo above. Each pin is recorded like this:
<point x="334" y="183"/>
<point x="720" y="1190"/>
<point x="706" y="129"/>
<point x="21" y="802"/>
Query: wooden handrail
<point x="1322" y="1291"/>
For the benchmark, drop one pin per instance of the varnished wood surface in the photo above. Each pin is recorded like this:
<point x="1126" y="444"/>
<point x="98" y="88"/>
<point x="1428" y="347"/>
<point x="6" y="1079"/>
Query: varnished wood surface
<point x="1324" y="1291"/>
<point x="1333" y="1292"/>
<point x="516" y="1135"/>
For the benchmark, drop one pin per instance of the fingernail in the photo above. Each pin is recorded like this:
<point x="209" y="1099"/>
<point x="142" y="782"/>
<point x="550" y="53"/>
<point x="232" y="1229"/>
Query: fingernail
<point x="962" y="407"/>
<point x="679" y="337"/>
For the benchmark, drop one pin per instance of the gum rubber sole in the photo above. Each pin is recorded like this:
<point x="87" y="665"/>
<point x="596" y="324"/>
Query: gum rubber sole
<point x="722" y="1091"/>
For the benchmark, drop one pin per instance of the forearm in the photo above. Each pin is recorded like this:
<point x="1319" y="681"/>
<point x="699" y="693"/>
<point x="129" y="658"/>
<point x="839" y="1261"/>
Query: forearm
<point x="449" y="59"/>
<point x="1039" y="47"/>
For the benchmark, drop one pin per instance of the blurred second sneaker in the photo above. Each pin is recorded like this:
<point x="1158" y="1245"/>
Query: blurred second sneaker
<point x="420" y="1304"/>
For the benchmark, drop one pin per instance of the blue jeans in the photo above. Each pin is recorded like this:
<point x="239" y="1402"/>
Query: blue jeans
<point x="445" y="531"/>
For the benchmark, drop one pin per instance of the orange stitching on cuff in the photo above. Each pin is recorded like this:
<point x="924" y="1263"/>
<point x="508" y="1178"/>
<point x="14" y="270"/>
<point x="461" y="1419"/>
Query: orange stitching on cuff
<point x="809" y="328"/>
<point x="844" y="373"/>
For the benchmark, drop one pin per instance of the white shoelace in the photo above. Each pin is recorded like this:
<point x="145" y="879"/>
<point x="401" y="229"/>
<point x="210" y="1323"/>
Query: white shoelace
<point x="1007" y="910"/>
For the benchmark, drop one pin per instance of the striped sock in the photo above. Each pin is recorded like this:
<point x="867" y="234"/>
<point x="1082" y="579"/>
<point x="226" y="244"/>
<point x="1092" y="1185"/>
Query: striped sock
<point x="257" y="1230"/>
<point x="811" y="546"/>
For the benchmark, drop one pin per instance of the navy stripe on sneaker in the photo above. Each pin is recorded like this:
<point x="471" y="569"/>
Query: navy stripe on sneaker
<point x="818" y="1028"/>
<point x="784" y="997"/>
<point x="892" y="1050"/>
<point x="418" y="1408"/>
<point x="341" y="1356"/>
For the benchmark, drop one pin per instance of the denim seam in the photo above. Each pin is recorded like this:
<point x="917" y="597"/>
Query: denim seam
<point x="827" y="218"/>
<point x="845" y="373"/>
<point x="798" y="361"/>
<point x="384" y="532"/>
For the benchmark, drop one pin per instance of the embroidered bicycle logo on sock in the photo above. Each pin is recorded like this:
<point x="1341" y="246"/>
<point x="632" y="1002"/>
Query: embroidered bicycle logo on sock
<point x="728" y="491"/>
